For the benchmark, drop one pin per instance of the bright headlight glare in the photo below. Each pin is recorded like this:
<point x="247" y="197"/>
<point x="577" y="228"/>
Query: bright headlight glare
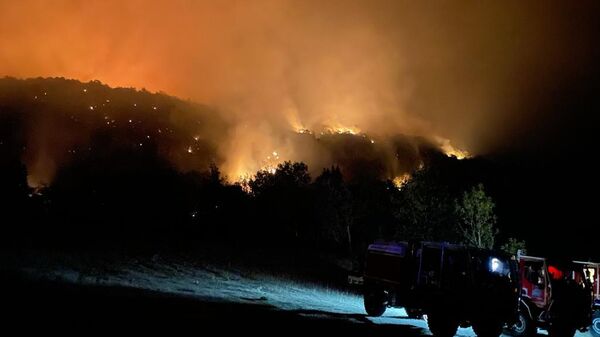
<point x="495" y="265"/>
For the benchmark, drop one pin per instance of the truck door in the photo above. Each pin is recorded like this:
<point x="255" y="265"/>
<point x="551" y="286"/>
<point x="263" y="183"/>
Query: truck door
<point x="534" y="281"/>
<point x="455" y="273"/>
<point x="430" y="266"/>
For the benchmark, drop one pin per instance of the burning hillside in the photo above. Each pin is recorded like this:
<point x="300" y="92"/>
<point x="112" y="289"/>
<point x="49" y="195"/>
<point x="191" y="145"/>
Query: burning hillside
<point x="320" y="107"/>
<point x="63" y="120"/>
<point x="291" y="80"/>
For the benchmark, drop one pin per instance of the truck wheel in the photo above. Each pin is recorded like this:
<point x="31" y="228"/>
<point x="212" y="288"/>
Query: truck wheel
<point x="417" y="313"/>
<point x="375" y="300"/>
<point x="595" y="327"/>
<point x="487" y="328"/>
<point x="524" y="326"/>
<point x="561" y="329"/>
<point x="441" y="325"/>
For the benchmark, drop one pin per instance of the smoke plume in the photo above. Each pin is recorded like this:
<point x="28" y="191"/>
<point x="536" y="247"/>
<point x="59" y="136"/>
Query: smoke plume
<point x="278" y="72"/>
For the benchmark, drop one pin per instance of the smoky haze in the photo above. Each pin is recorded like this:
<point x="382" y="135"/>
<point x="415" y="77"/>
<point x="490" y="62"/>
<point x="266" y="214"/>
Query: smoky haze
<point x="476" y="73"/>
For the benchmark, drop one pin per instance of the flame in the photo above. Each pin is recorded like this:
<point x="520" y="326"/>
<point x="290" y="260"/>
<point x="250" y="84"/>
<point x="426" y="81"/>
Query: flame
<point x="401" y="180"/>
<point x="341" y="130"/>
<point x="303" y="131"/>
<point x="450" y="150"/>
<point x="270" y="169"/>
<point x="244" y="183"/>
<point x="329" y="129"/>
<point x="36" y="182"/>
<point x="330" y="126"/>
<point x="245" y="173"/>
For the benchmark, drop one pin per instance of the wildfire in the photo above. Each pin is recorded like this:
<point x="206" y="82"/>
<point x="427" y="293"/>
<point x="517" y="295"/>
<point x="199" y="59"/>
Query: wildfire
<point x="36" y="183"/>
<point x="264" y="153"/>
<point x="244" y="182"/>
<point x="341" y="130"/>
<point x="450" y="150"/>
<point x="328" y="126"/>
<point x="303" y="131"/>
<point x="401" y="180"/>
<point x="270" y="168"/>
<point x="269" y="164"/>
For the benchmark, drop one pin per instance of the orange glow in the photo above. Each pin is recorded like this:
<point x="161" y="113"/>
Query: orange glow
<point x="340" y="130"/>
<point x="450" y="150"/>
<point x="401" y="180"/>
<point x="265" y="66"/>
<point x="350" y="67"/>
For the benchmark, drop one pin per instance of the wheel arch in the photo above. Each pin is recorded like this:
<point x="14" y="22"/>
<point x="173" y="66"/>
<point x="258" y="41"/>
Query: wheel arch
<point x="525" y="306"/>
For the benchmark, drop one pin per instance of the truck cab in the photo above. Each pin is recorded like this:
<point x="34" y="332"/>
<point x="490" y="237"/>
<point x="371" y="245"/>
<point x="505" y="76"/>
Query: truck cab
<point x="555" y="296"/>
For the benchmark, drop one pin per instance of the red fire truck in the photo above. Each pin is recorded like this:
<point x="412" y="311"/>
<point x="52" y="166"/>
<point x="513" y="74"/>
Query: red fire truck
<point x="555" y="295"/>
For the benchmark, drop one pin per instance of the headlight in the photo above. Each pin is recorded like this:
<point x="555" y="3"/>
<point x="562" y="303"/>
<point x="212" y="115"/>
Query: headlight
<point x="496" y="265"/>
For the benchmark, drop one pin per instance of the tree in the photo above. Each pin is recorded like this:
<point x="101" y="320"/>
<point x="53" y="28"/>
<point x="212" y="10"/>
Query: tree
<point x="287" y="175"/>
<point x="424" y="207"/>
<point x="333" y="209"/>
<point x="476" y="218"/>
<point x="512" y="246"/>
<point x="283" y="201"/>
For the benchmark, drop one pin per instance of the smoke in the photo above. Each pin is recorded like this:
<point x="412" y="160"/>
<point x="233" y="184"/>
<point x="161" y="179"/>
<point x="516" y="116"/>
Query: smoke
<point x="470" y="72"/>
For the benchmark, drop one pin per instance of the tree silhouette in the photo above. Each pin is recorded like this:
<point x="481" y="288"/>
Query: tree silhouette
<point x="286" y="175"/>
<point x="333" y="209"/>
<point x="513" y="245"/>
<point x="283" y="202"/>
<point x="423" y="208"/>
<point x="476" y="218"/>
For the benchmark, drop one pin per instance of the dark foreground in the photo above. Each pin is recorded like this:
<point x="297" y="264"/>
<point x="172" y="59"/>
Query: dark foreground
<point x="54" y="307"/>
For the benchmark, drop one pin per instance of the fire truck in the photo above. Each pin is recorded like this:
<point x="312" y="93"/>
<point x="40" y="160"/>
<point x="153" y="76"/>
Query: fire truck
<point x="592" y="274"/>
<point x="453" y="285"/>
<point x="555" y="296"/>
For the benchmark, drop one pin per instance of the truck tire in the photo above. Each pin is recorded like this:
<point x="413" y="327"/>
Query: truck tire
<point x="488" y="328"/>
<point x="524" y="327"/>
<point x="441" y="325"/>
<point x="561" y="329"/>
<point x="375" y="301"/>
<point x="595" y="327"/>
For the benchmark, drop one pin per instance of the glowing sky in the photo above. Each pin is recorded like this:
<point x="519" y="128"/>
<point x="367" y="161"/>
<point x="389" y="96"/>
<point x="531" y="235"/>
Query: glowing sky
<point x="471" y="72"/>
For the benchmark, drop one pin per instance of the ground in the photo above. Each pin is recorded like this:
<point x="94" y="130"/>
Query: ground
<point x="156" y="293"/>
